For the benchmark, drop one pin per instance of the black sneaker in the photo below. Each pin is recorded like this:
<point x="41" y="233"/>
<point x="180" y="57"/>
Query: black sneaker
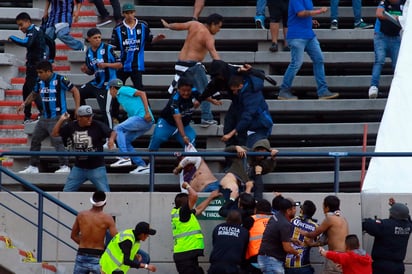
<point x="274" y="47"/>
<point x="334" y="25"/>
<point x="104" y="21"/>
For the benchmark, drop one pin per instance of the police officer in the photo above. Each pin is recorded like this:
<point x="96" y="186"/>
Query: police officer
<point x="391" y="240"/>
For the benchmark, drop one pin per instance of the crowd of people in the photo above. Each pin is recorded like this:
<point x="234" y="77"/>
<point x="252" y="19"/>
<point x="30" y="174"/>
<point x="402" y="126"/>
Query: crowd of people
<point x="256" y="237"/>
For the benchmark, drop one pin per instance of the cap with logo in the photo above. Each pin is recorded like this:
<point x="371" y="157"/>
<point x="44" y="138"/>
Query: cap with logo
<point x="128" y="7"/>
<point x="85" y="110"/>
<point x="115" y="83"/>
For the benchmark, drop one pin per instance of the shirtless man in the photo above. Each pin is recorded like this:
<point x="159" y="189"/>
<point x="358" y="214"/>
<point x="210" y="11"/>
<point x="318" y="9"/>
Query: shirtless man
<point x="336" y="229"/>
<point x="89" y="231"/>
<point x="199" y="41"/>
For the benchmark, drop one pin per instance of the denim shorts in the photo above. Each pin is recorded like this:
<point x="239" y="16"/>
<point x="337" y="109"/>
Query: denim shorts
<point x="270" y="265"/>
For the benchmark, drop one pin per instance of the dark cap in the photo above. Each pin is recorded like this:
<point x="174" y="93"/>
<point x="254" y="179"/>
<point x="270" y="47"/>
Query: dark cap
<point x="85" y="110"/>
<point x="144" y="228"/>
<point x="115" y="83"/>
<point x="399" y="211"/>
<point x="264" y="143"/>
<point x="128" y="7"/>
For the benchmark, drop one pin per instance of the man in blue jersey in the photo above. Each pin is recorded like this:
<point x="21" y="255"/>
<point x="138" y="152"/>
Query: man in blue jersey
<point x="140" y="119"/>
<point x="52" y="88"/>
<point x="102" y="62"/>
<point x="60" y="19"/>
<point x="301" y="38"/>
<point x="301" y="264"/>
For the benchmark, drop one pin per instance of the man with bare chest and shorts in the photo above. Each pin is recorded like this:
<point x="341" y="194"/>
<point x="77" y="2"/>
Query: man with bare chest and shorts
<point x="89" y="231"/>
<point x="199" y="41"/>
<point x="336" y="229"/>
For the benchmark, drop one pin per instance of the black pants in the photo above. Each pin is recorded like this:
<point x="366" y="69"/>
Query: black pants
<point x="29" y="83"/>
<point x="189" y="266"/>
<point x="387" y="267"/>
<point x="103" y="11"/>
<point x="101" y="94"/>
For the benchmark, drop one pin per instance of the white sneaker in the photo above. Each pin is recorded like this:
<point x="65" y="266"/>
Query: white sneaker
<point x="373" y="92"/>
<point x="30" y="170"/>
<point x="63" y="169"/>
<point x="141" y="170"/>
<point x="122" y="162"/>
<point x="106" y="145"/>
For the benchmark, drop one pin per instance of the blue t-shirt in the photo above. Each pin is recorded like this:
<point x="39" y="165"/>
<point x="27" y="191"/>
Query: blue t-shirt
<point x="299" y="27"/>
<point x="133" y="105"/>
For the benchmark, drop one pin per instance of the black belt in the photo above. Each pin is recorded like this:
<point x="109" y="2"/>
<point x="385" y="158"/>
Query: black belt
<point x="88" y="254"/>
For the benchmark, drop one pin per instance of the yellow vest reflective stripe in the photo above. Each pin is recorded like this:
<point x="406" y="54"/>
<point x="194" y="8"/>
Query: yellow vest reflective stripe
<point x="256" y="234"/>
<point x="113" y="257"/>
<point x="186" y="236"/>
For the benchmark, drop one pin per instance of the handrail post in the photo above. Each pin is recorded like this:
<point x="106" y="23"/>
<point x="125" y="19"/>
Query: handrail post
<point x="336" y="174"/>
<point x="40" y="229"/>
<point x="152" y="178"/>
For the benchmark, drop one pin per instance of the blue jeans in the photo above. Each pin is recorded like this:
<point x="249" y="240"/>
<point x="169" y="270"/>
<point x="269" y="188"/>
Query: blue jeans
<point x="65" y="37"/>
<point x="128" y="131"/>
<point x="42" y="130"/>
<point x="297" y="49"/>
<point x="384" y="46"/>
<point x="356" y="6"/>
<point x="163" y="131"/>
<point x="300" y="270"/>
<point x="79" y="175"/>
<point x="270" y="265"/>
<point x="260" y="7"/>
<point x="86" y="265"/>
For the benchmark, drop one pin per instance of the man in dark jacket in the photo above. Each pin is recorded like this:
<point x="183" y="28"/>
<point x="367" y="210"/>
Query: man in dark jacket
<point x="391" y="240"/>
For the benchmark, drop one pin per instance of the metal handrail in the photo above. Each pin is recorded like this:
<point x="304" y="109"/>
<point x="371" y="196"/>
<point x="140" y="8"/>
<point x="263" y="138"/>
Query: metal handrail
<point x="152" y="156"/>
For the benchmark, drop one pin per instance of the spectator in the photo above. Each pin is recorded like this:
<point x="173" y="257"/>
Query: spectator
<point x="197" y="9"/>
<point x="105" y="17"/>
<point x="102" y="62"/>
<point x="195" y="171"/>
<point x="187" y="235"/>
<point x="230" y="242"/>
<point x="123" y="249"/>
<point x="335" y="227"/>
<point x="386" y="40"/>
<point x="391" y="239"/>
<point x="59" y="21"/>
<point x="34" y="41"/>
<point x="200" y="40"/>
<point x="276" y="201"/>
<point x="89" y="232"/>
<point x="51" y="88"/>
<point x="85" y="135"/>
<point x="278" y="10"/>
<point x="238" y="179"/>
<point x="245" y="204"/>
<point x="276" y="242"/>
<point x="260" y="219"/>
<point x="130" y="38"/>
<point x="260" y="14"/>
<point x="354" y="260"/>
<point x="304" y="222"/>
<point x="176" y="116"/>
<point x="140" y="120"/>
<point x="301" y="38"/>
<point x="357" y="13"/>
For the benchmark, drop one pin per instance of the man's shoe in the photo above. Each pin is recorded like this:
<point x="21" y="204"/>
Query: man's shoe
<point x="373" y="92"/>
<point x="141" y="170"/>
<point x="286" y="48"/>
<point x="207" y="123"/>
<point x="363" y="25"/>
<point x="30" y="170"/>
<point x="104" y="21"/>
<point x="273" y="47"/>
<point x="334" y="25"/>
<point x="63" y="169"/>
<point x="286" y="95"/>
<point x="328" y="95"/>
<point x="122" y="162"/>
<point x="260" y="22"/>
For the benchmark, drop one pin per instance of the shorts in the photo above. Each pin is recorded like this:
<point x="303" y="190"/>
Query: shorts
<point x="211" y="187"/>
<point x="278" y="10"/>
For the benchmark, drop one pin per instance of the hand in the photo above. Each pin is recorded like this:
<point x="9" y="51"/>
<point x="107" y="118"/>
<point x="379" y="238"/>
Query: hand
<point x="258" y="170"/>
<point x="322" y="251"/>
<point x="110" y="144"/>
<point x="241" y="152"/>
<point x="84" y="68"/>
<point x="20" y="108"/>
<point x="186" y="140"/>
<point x="158" y="37"/>
<point x="151" y="268"/>
<point x="177" y="170"/>
<point x="315" y="24"/>
<point x="225" y="137"/>
<point x="323" y="9"/>
<point x="147" y="117"/>
<point x="196" y="104"/>
<point x="216" y="102"/>
<point x="248" y="186"/>
<point x="138" y="257"/>
<point x="273" y="153"/>
<point x="102" y="65"/>
<point x="391" y="201"/>
<point x="164" y="23"/>
<point x="215" y="194"/>
<point x="65" y="116"/>
<point x="185" y="185"/>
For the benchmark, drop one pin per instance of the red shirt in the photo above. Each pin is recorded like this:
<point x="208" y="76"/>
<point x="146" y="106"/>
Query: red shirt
<point x="351" y="262"/>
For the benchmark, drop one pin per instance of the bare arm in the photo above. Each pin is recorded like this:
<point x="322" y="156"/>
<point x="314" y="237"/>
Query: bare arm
<point x="56" y="129"/>
<point x="112" y="227"/>
<point x="75" y="235"/>
<point x="307" y="13"/>
<point x="29" y="99"/>
<point x="76" y="97"/>
<point x="143" y="96"/>
<point x="379" y="13"/>
<point x="203" y="205"/>
<point x="320" y="229"/>
<point x="180" y="127"/>
<point x="116" y="65"/>
<point x="210" y="45"/>
<point x="111" y="140"/>
<point x="192" y="195"/>
<point x="77" y="11"/>
<point x="176" y="26"/>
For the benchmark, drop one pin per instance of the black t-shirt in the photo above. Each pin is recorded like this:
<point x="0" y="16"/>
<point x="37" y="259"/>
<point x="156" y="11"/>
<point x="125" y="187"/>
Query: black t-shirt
<point x="277" y="230"/>
<point x="229" y="244"/>
<point x="86" y="139"/>
<point x="178" y="105"/>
